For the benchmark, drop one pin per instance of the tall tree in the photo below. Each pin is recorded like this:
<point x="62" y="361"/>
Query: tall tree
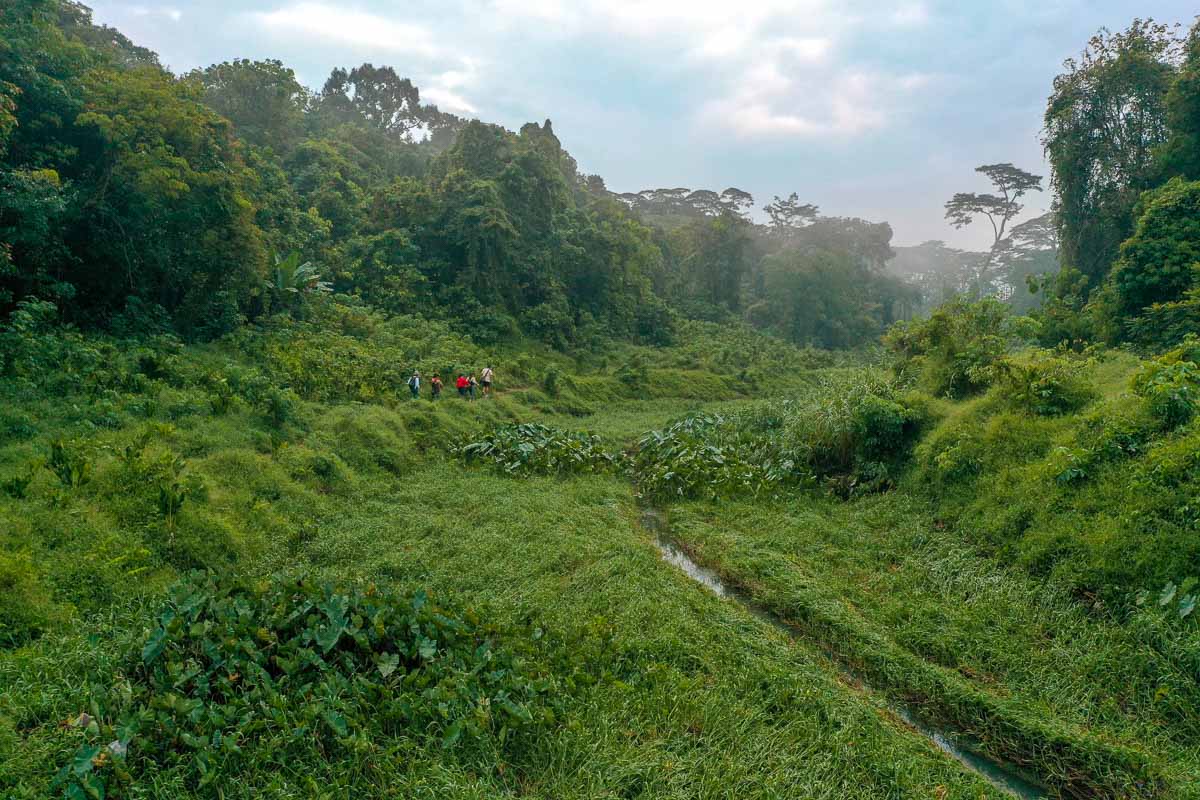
<point x="262" y="99"/>
<point x="788" y="214"/>
<point x="1010" y="183"/>
<point x="1104" y="122"/>
<point x="377" y="95"/>
<point x="1182" y="153"/>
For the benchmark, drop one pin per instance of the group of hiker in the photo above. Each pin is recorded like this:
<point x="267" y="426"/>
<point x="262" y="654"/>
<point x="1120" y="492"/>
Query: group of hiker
<point x="466" y="384"/>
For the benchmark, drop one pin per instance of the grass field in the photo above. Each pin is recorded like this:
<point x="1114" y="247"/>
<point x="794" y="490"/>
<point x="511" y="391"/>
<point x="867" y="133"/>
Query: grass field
<point x="642" y="683"/>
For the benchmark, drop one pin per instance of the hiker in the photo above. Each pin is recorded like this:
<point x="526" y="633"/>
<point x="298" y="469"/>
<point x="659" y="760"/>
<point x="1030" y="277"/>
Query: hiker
<point x="485" y="380"/>
<point x="471" y="384"/>
<point x="414" y="384"/>
<point x="462" y="385"/>
<point x="435" y="385"/>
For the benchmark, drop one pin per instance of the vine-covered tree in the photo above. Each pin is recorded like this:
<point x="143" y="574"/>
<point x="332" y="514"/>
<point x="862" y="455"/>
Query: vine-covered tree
<point x="1104" y="123"/>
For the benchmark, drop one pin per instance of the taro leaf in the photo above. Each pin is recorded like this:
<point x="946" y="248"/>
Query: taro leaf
<point x="1187" y="605"/>
<point x="82" y="764"/>
<point x="428" y="648"/>
<point x="388" y="663"/>
<point x="1168" y="593"/>
<point x="154" y="645"/>
<point x="452" y="734"/>
<point x="327" y="636"/>
<point x="337" y="722"/>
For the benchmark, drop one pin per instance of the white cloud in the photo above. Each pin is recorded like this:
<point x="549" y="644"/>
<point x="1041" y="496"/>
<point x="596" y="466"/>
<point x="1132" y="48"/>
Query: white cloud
<point x="173" y="14"/>
<point x="319" y="22"/>
<point x="771" y="67"/>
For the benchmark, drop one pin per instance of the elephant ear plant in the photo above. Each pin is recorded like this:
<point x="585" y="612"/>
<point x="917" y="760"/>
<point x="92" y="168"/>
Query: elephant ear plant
<point x="232" y="675"/>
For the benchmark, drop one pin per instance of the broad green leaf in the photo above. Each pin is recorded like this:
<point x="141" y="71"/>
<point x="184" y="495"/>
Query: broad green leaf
<point x="388" y="663"/>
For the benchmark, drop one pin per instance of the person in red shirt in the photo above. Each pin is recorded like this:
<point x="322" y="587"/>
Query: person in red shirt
<point x="462" y="383"/>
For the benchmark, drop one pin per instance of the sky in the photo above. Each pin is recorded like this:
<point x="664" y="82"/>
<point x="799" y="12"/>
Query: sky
<point x="866" y="108"/>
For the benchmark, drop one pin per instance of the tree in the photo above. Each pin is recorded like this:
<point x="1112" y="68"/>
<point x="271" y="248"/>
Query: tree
<point x="1161" y="261"/>
<point x="377" y="96"/>
<point x="262" y="99"/>
<point x="1011" y="184"/>
<point x="790" y="214"/>
<point x="1104" y="123"/>
<point x="1181" y="156"/>
<point x="1027" y="259"/>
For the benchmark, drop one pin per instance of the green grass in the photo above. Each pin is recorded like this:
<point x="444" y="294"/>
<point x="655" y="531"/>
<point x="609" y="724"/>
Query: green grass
<point x="1089" y="706"/>
<point x="931" y="591"/>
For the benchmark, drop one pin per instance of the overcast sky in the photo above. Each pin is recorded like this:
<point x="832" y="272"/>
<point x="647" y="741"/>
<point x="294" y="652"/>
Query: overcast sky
<point x="864" y="107"/>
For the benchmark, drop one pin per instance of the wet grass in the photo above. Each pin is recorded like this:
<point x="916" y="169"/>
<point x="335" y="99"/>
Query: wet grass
<point x="1089" y="706"/>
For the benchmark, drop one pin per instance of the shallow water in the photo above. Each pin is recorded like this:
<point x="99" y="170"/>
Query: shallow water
<point x="1000" y="775"/>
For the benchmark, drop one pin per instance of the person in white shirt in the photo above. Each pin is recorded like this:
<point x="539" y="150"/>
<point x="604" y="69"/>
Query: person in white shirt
<point x="485" y="380"/>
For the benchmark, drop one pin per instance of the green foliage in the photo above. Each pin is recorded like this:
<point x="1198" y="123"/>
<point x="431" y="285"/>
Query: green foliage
<point x="231" y="672"/>
<point x="26" y="608"/>
<point x="17" y="486"/>
<point x="1174" y="600"/>
<point x="1043" y="383"/>
<point x="1104" y="120"/>
<point x="851" y="432"/>
<point x="1171" y="386"/>
<point x="1159" y="263"/>
<point x="532" y="449"/>
<point x="954" y="351"/>
<point x="550" y="381"/>
<point x="70" y="463"/>
<point x="708" y="457"/>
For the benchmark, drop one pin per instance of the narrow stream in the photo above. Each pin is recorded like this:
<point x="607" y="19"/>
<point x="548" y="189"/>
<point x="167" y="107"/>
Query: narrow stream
<point x="1002" y="776"/>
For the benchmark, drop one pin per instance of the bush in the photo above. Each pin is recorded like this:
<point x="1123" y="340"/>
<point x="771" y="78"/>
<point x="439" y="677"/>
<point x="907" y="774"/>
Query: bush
<point x="953" y="352"/>
<point x="532" y="449"/>
<point x="1170" y="385"/>
<point x="1043" y="384"/>
<point x="708" y="457"/>
<point x="26" y="610"/>
<point x="295" y="668"/>
<point x="853" y="432"/>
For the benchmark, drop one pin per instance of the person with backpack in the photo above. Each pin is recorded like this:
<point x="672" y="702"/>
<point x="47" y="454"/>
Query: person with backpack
<point x="435" y="385"/>
<point x="485" y="380"/>
<point x="414" y="384"/>
<point x="461" y="384"/>
<point x="471" y="384"/>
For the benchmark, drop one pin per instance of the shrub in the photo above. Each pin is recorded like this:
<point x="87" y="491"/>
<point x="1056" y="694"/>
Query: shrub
<point x="709" y="457"/>
<point x="1043" y="384"/>
<point x="26" y="609"/>
<point x="17" y="486"/>
<point x="550" y="381"/>
<point x="532" y="449"/>
<point x="954" y="350"/>
<point x="297" y="668"/>
<point x="1170" y="385"/>
<point x="70" y="464"/>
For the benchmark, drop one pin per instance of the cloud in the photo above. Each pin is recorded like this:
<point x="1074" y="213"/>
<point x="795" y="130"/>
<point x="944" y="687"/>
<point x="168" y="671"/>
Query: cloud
<point x="334" y="25"/>
<point x="444" y="89"/>
<point x="769" y="68"/>
<point x="173" y="14"/>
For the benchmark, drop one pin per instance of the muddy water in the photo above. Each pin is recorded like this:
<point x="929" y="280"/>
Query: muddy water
<point x="1000" y="775"/>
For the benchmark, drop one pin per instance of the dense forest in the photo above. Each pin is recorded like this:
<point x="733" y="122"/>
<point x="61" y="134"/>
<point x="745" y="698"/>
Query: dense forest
<point x="748" y="500"/>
